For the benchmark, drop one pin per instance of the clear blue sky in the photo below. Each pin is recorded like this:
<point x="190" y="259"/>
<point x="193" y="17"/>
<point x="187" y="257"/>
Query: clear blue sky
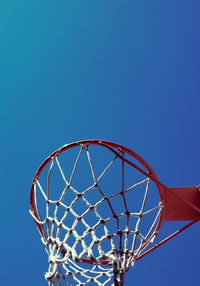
<point x="126" y="71"/>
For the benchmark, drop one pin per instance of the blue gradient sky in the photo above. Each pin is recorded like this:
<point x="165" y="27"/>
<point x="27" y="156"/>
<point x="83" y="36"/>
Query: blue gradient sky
<point x="125" y="71"/>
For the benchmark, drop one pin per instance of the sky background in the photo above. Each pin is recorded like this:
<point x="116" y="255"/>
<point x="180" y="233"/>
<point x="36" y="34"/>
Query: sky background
<point x="125" y="71"/>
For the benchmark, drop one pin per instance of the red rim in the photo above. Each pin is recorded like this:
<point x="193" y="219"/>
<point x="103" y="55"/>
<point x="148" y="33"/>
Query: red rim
<point x="111" y="146"/>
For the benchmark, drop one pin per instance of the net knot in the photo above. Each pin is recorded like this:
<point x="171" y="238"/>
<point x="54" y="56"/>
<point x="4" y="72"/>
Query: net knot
<point x="102" y="221"/>
<point x="53" y="258"/>
<point x="119" y="233"/>
<point x="79" y="218"/>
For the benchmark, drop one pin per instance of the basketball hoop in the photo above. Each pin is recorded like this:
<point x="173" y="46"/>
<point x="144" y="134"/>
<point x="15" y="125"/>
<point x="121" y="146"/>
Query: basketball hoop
<point x="98" y="207"/>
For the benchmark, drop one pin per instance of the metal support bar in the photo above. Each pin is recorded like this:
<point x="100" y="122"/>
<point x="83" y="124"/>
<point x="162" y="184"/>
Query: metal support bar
<point x="168" y="238"/>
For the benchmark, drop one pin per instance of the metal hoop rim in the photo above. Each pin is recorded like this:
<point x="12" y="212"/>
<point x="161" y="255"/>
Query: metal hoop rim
<point x="109" y="145"/>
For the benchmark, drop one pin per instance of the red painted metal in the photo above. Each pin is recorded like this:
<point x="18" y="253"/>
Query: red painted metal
<point x="182" y="203"/>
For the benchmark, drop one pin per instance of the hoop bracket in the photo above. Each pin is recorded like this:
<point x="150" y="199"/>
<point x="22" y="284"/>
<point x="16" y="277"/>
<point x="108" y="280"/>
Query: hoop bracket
<point x="182" y="203"/>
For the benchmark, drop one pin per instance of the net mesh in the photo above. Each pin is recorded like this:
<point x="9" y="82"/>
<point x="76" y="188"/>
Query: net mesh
<point x="91" y="230"/>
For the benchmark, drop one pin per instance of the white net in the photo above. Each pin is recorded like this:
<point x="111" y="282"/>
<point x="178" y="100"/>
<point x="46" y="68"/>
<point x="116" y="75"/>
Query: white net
<point x="96" y="215"/>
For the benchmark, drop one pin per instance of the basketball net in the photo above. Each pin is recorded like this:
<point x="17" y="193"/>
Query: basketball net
<point x="85" y="244"/>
